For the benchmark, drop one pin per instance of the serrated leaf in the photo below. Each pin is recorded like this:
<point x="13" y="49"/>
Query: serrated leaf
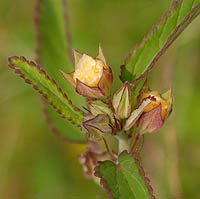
<point x="71" y="135"/>
<point x="146" y="54"/>
<point x="54" y="53"/>
<point x="124" y="179"/>
<point x="47" y="87"/>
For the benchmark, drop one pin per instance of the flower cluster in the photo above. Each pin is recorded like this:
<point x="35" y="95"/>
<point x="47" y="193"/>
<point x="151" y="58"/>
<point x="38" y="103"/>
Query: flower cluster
<point x="109" y="119"/>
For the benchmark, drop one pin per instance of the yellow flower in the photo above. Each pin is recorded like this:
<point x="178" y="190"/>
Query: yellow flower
<point x="92" y="78"/>
<point x="165" y="103"/>
<point x="89" y="71"/>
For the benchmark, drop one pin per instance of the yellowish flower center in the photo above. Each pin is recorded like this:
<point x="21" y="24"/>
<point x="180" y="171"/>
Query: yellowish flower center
<point x="89" y="71"/>
<point x="159" y="100"/>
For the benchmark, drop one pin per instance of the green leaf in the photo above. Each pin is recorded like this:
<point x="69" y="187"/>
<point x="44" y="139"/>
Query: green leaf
<point x="54" y="53"/>
<point x="146" y="54"/>
<point x="34" y="75"/>
<point x="124" y="179"/>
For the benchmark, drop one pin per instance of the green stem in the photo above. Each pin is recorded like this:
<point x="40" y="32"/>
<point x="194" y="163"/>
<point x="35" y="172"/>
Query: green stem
<point x="123" y="143"/>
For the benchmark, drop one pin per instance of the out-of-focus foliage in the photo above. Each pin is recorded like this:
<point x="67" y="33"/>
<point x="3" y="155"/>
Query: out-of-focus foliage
<point x="160" y="37"/>
<point x="36" y="164"/>
<point x="53" y="50"/>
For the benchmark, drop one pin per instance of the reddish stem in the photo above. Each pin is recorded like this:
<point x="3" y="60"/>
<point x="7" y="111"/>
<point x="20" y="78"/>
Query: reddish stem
<point x="142" y="144"/>
<point x="106" y="145"/>
<point x="135" y="142"/>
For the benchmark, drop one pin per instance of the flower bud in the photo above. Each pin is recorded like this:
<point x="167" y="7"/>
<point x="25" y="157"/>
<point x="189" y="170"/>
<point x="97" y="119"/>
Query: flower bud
<point x="135" y="115"/>
<point x="96" y="126"/>
<point x="151" y="112"/>
<point x="98" y="107"/>
<point x="122" y="101"/>
<point x="92" y="78"/>
<point x="151" y="121"/>
<point x="156" y="112"/>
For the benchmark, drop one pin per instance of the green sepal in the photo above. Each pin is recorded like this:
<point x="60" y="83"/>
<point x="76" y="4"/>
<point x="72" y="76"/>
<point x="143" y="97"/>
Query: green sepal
<point x="122" y="101"/>
<point x="137" y="113"/>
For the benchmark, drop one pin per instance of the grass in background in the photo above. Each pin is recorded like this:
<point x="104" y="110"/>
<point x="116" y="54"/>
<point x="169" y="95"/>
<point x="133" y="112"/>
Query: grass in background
<point x="35" y="164"/>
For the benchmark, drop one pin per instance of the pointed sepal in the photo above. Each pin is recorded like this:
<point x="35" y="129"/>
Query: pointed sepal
<point x="101" y="55"/>
<point x="96" y="126"/>
<point x="99" y="107"/>
<point x="135" y="115"/>
<point x="77" y="57"/>
<point x="69" y="78"/>
<point x="122" y="101"/>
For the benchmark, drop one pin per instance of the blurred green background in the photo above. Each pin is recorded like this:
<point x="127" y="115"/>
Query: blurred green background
<point x="36" y="165"/>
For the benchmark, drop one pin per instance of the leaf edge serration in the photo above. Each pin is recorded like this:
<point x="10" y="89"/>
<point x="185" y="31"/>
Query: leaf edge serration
<point x="40" y="70"/>
<point x="140" y="169"/>
<point x="163" y="49"/>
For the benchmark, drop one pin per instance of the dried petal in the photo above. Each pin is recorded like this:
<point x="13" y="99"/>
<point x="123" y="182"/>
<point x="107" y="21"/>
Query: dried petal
<point x="90" y="158"/>
<point x="106" y="80"/>
<point x="165" y="100"/>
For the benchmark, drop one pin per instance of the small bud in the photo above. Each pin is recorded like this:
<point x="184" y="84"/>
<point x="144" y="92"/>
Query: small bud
<point x="135" y="115"/>
<point x="92" y="78"/>
<point x="151" y="121"/>
<point x="98" y="107"/>
<point x="122" y="101"/>
<point x="156" y="112"/>
<point x="96" y="126"/>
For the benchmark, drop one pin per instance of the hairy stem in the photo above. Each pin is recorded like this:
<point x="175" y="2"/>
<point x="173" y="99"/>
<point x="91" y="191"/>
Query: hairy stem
<point x="122" y="142"/>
